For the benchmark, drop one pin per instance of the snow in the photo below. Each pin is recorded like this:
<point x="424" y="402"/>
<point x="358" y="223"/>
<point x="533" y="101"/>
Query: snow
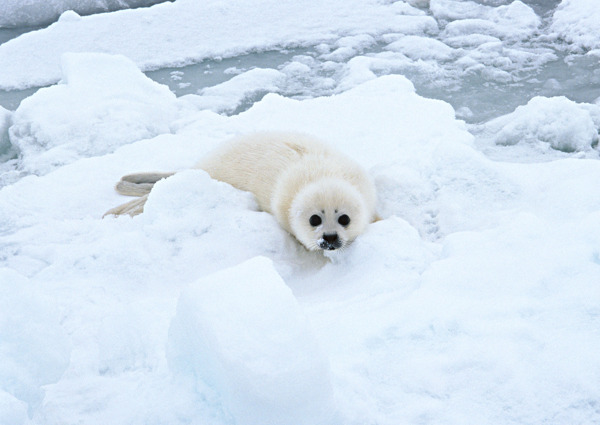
<point x="475" y="299"/>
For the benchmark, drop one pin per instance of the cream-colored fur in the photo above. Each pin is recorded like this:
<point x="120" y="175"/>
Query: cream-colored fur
<point x="294" y="177"/>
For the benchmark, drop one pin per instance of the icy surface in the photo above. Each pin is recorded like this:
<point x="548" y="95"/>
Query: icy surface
<point x="475" y="300"/>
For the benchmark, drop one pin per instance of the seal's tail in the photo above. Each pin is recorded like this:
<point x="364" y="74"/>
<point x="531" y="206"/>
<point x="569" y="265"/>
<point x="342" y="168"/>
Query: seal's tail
<point x="140" y="185"/>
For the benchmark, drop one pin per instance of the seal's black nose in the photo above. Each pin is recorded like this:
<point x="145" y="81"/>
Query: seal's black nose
<point x="330" y="238"/>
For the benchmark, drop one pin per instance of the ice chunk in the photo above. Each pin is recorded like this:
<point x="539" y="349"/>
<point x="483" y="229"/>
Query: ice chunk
<point x="104" y="102"/>
<point x="416" y="47"/>
<point x="563" y="124"/>
<point x="242" y="332"/>
<point x="34" y="350"/>
<point x="516" y="19"/>
<point x="451" y="10"/>
<point x="347" y="47"/>
<point x="227" y="96"/>
<point x="471" y="26"/>
<point x="576" y="21"/>
<point x="513" y="21"/>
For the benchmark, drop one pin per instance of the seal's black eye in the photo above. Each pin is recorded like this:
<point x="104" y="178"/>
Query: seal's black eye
<point x="314" y="220"/>
<point x="344" y="220"/>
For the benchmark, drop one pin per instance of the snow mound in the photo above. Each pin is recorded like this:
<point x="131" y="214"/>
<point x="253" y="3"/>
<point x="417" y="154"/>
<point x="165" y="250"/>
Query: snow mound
<point x="103" y="102"/>
<point x="15" y="13"/>
<point x="197" y="213"/>
<point x="562" y="124"/>
<point x="34" y="349"/>
<point x="242" y="332"/>
<point x="166" y="200"/>
<point x="410" y="254"/>
<point x="576" y="21"/>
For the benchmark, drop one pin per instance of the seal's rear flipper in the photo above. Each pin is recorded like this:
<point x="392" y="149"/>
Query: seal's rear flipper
<point x="132" y="208"/>
<point x="139" y="184"/>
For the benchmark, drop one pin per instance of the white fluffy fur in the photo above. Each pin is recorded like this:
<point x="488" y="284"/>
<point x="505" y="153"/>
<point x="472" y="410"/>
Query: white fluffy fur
<point x="294" y="177"/>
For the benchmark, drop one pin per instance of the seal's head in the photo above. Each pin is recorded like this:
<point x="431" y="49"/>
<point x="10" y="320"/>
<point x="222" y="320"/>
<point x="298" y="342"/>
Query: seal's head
<point x="328" y="214"/>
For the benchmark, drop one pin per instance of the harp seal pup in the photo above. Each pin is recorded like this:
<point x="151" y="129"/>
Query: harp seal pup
<point x="320" y="196"/>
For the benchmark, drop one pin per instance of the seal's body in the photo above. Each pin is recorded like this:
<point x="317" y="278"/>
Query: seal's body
<point x="317" y="194"/>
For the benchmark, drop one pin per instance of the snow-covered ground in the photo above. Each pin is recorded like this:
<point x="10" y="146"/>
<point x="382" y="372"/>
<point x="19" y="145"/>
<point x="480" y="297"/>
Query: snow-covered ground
<point x="476" y="300"/>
